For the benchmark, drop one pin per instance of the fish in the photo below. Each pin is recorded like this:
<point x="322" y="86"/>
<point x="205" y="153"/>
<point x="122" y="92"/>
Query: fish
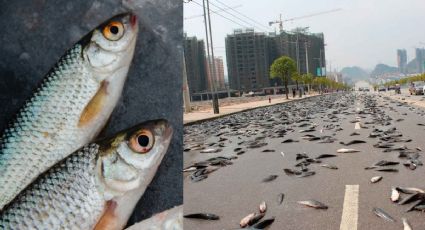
<point x="270" y="178"/>
<point x="71" y="106"/>
<point x="381" y="213"/>
<point x="406" y="224"/>
<point x="414" y="205"/>
<point x="202" y="216"/>
<point x="352" y="142"/>
<point x="375" y="179"/>
<point x="354" y="134"/>
<point x="395" y="194"/>
<point x="329" y="166"/>
<point x="347" y="150"/>
<point x="409" y="198"/>
<point x="268" y="151"/>
<point x="386" y="163"/>
<point x="211" y="150"/>
<point x="408" y="190"/>
<point x="263" y="207"/>
<point x="264" y="224"/>
<point x="104" y="179"/>
<point x="325" y="156"/>
<point x="387" y="170"/>
<point x="306" y="174"/>
<point x="313" y="203"/>
<point x="170" y="219"/>
<point x="291" y="172"/>
<point x="244" y="221"/>
<point x="280" y="198"/>
<point x="289" y="141"/>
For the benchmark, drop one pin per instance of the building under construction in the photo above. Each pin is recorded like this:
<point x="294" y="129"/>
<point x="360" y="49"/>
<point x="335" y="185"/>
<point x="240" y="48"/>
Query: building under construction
<point x="196" y="69"/>
<point x="250" y="55"/>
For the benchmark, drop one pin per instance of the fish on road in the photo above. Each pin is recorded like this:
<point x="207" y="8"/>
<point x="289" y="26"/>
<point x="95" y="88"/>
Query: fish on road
<point x="104" y="180"/>
<point x="347" y="150"/>
<point x="381" y="213"/>
<point x="70" y="107"/>
<point x="313" y="203"/>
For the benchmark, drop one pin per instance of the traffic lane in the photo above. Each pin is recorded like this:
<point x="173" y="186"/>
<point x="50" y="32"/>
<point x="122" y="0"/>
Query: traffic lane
<point x="328" y="186"/>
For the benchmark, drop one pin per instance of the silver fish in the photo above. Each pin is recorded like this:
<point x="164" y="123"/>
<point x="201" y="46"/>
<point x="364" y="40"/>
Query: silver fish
<point x="347" y="150"/>
<point x="406" y="224"/>
<point x="93" y="187"/>
<point x="379" y="212"/>
<point x="375" y="179"/>
<point x="395" y="194"/>
<point x="313" y="204"/>
<point x="70" y="108"/>
<point x="171" y="219"/>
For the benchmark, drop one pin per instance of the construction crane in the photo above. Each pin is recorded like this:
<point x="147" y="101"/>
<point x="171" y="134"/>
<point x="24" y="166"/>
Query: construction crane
<point x="280" y="21"/>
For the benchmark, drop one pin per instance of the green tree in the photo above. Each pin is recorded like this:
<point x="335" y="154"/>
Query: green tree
<point x="297" y="77"/>
<point x="307" y="79"/>
<point x="283" y="68"/>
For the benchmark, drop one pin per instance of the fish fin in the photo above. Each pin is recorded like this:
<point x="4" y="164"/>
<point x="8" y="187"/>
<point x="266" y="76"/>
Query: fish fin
<point x="95" y="105"/>
<point x="108" y="220"/>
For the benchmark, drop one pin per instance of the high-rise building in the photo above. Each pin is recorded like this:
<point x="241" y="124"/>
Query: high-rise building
<point x="402" y="60"/>
<point x="217" y="75"/>
<point x="250" y="55"/>
<point x="247" y="60"/>
<point x="420" y="60"/>
<point x="194" y="54"/>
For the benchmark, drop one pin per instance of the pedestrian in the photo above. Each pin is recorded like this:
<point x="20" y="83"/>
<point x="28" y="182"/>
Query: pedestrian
<point x="293" y="92"/>
<point x="270" y="100"/>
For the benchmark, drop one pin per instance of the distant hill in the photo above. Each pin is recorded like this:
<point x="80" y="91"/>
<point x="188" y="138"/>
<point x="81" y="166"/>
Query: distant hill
<point x="382" y="69"/>
<point x="354" y="74"/>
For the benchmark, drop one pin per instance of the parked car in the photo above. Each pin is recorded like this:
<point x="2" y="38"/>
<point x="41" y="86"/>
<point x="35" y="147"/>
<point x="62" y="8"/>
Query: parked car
<point x="416" y="88"/>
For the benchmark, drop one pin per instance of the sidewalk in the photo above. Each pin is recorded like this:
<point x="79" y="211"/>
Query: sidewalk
<point x="418" y="100"/>
<point x="195" y="116"/>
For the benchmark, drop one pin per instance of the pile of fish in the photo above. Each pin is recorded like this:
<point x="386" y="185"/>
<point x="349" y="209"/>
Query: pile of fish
<point x="200" y="170"/>
<point x="53" y="174"/>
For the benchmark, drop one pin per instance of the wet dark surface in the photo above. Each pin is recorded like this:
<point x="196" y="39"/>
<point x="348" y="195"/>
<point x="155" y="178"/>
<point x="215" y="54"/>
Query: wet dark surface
<point x="35" y="34"/>
<point x="236" y="189"/>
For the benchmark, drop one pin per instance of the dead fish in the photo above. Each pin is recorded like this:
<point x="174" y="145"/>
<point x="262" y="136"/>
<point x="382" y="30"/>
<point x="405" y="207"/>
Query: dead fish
<point x="211" y="150"/>
<point x="325" y="156"/>
<point x="270" y="178"/>
<point x="375" y="179"/>
<point x="291" y="172"/>
<point x="306" y="174"/>
<point x="244" y="221"/>
<point x="414" y="205"/>
<point x="202" y="216"/>
<point x="408" y="190"/>
<point x="386" y="163"/>
<point x="387" y="170"/>
<point x="352" y="142"/>
<point x="347" y="150"/>
<point x="263" y="207"/>
<point x="307" y="130"/>
<point x="280" y="198"/>
<point x="264" y="224"/>
<point x="70" y="107"/>
<point x="268" y="151"/>
<point x="237" y="149"/>
<point x="420" y="207"/>
<point x="169" y="219"/>
<point x="409" y="198"/>
<point x="354" y="134"/>
<point x="289" y="141"/>
<point x="406" y="224"/>
<point x="313" y="203"/>
<point x="395" y="194"/>
<point x="379" y="212"/>
<point x="240" y="153"/>
<point x="329" y="166"/>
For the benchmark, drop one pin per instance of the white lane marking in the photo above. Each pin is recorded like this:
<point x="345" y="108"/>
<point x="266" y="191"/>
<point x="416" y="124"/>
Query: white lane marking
<point x="350" y="210"/>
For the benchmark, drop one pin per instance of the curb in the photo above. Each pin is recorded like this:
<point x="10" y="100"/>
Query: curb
<point x="244" y="110"/>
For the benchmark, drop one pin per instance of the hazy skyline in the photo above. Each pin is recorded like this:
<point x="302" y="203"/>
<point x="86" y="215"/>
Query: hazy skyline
<point x="364" y="33"/>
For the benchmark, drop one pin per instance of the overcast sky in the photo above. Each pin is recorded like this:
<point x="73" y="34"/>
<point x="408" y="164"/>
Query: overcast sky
<point x="363" y="33"/>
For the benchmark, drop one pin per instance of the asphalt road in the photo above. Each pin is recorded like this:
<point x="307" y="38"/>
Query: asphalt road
<point x="235" y="190"/>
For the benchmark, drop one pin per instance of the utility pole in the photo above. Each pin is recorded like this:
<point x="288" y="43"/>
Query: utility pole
<point x="186" y="98"/>
<point x="212" y="66"/>
<point x="306" y="57"/>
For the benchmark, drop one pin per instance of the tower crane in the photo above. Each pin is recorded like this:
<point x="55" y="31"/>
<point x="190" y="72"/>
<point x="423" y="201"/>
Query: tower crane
<point x="280" y="21"/>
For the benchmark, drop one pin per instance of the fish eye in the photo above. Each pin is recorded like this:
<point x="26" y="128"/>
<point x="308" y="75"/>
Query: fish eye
<point x="113" y="31"/>
<point x="142" y="141"/>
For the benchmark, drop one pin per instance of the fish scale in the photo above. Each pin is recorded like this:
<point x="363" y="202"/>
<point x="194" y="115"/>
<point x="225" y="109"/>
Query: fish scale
<point x="41" y="116"/>
<point x="72" y="180"/>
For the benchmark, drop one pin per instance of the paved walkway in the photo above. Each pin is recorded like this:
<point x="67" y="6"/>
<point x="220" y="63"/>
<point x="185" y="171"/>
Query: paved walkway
<point x="230" y="109"/>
